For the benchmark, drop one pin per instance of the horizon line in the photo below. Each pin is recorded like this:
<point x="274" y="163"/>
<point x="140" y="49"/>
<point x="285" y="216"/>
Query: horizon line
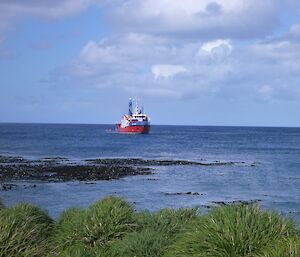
<point x="182" y="125"/>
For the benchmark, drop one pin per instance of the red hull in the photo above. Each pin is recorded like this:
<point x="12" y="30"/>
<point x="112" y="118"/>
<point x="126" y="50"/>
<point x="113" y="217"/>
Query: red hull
<point x="133" y="129"/>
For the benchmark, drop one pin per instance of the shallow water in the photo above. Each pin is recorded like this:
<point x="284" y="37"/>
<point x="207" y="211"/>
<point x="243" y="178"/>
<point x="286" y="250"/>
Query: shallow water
<point x="271" y="172"/>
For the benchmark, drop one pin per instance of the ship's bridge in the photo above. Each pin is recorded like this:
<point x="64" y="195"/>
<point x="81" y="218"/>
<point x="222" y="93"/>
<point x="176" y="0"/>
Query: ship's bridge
<point x="140" y="117"/>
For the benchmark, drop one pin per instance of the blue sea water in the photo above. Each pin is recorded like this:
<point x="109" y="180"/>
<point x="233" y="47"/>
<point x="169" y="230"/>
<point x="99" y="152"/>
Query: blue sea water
<point x="269" y="168"/>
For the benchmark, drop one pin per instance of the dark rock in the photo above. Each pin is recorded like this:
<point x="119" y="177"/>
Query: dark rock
<point x="220" y="202"/>
<point x="237" y="202"/>
<point x="57" y="169"/>
<point x="45" y="170"/>
<point x="183" y="193"/>
<point x="7" y="187"/>
<point x="206" y="206"/>
<point x="146" y="162"/>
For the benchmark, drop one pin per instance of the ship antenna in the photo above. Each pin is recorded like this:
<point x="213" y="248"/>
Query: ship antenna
<point x="136" y="105"/>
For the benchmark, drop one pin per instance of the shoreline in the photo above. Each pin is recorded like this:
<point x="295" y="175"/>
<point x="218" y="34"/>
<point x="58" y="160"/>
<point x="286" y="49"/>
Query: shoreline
<point x="61" y="169"/>
<point x="105" y="176"/>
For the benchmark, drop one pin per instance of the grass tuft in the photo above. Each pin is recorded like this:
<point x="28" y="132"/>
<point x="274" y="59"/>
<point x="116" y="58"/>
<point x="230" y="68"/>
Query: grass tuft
<point x="24" y="230"/>
<point x="282" y="248"/>
<point x="69" y="229"/>
<point x="80" y="250"/>
<point x="145" y="243"/>
<point x="96" y="227"/>
<point x="110" y="228"/>
<point x="156" y="231"/>
<point x="167" y="221"/>
<point x="108" y="220"/>
<point x="237" y="230"/>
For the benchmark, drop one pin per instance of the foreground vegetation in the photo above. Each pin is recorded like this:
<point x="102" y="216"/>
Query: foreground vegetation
<point x="111" y="228"/>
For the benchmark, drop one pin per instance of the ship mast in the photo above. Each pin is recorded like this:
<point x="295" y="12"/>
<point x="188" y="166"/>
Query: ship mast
<point x="137" y="108"/>
<point x="130" y="107"/>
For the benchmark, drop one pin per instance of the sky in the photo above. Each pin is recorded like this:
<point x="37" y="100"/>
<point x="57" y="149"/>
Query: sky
<point x="192" y="62"/>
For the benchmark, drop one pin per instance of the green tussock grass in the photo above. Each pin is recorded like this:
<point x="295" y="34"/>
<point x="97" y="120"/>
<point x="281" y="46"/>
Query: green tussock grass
<point x="107" y="221"/>
<point x="79" y="250"/>
<point x="96" y="227"/>
<point x="145" y="243"/>
<point x="111" y="228"/>
<point x="283" y="248"/>
<point x="24" y="230"/>
<point x="237" y="230"/>
<point x="168" y="221"/>
<point x="155" y="232"/>
<point x="68" y="230"/>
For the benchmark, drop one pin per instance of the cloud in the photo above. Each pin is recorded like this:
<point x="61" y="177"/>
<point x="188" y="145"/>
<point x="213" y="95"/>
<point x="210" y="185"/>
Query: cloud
<point x="13" y="10"/>
<point x="213" y="8"/>
<point x="283" y="51"/>
<point x="294" y="33"/>
<point x="209" y="47"/>
<point x="185" y="49"/>
<point x="123" y="53"/>
<point x="167" y="70"/>
<point x="265" y="91"/>
<point x="219" y="49"/>
<point x="161" y="66"/>
<point x="190" y="18"/>
<point x="93" y="53"/>
<point x="49" y="9"/>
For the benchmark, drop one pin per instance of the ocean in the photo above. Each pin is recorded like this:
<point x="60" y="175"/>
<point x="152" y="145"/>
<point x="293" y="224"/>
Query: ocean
<point x="266" y="169"/>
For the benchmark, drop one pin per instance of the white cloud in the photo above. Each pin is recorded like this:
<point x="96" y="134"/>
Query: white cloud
<point x="218" y="49"/>
<point x="44" y="9"/>
<point x="192" y="48"/>
<point x="265" y="91"/>
<point x="210" y="46"/>
<point x="294" y="32"/>
<point x="92" y="53"/>
<point x="13" y="10"/>
<point x="131" y="61"/>
<point x="205" y="18"/>
<point x="278" y="50"/>
<point x="167" y="70"/>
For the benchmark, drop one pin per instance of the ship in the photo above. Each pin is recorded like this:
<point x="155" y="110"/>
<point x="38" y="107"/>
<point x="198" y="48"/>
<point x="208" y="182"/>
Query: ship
<point x="134" y="122"/>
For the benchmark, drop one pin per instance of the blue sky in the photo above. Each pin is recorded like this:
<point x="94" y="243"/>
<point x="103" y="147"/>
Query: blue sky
<point x="208" y="62"/>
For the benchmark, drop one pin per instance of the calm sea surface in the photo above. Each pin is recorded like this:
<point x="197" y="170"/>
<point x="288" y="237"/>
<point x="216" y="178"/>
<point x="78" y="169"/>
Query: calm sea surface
<point x="270" y="172"/>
